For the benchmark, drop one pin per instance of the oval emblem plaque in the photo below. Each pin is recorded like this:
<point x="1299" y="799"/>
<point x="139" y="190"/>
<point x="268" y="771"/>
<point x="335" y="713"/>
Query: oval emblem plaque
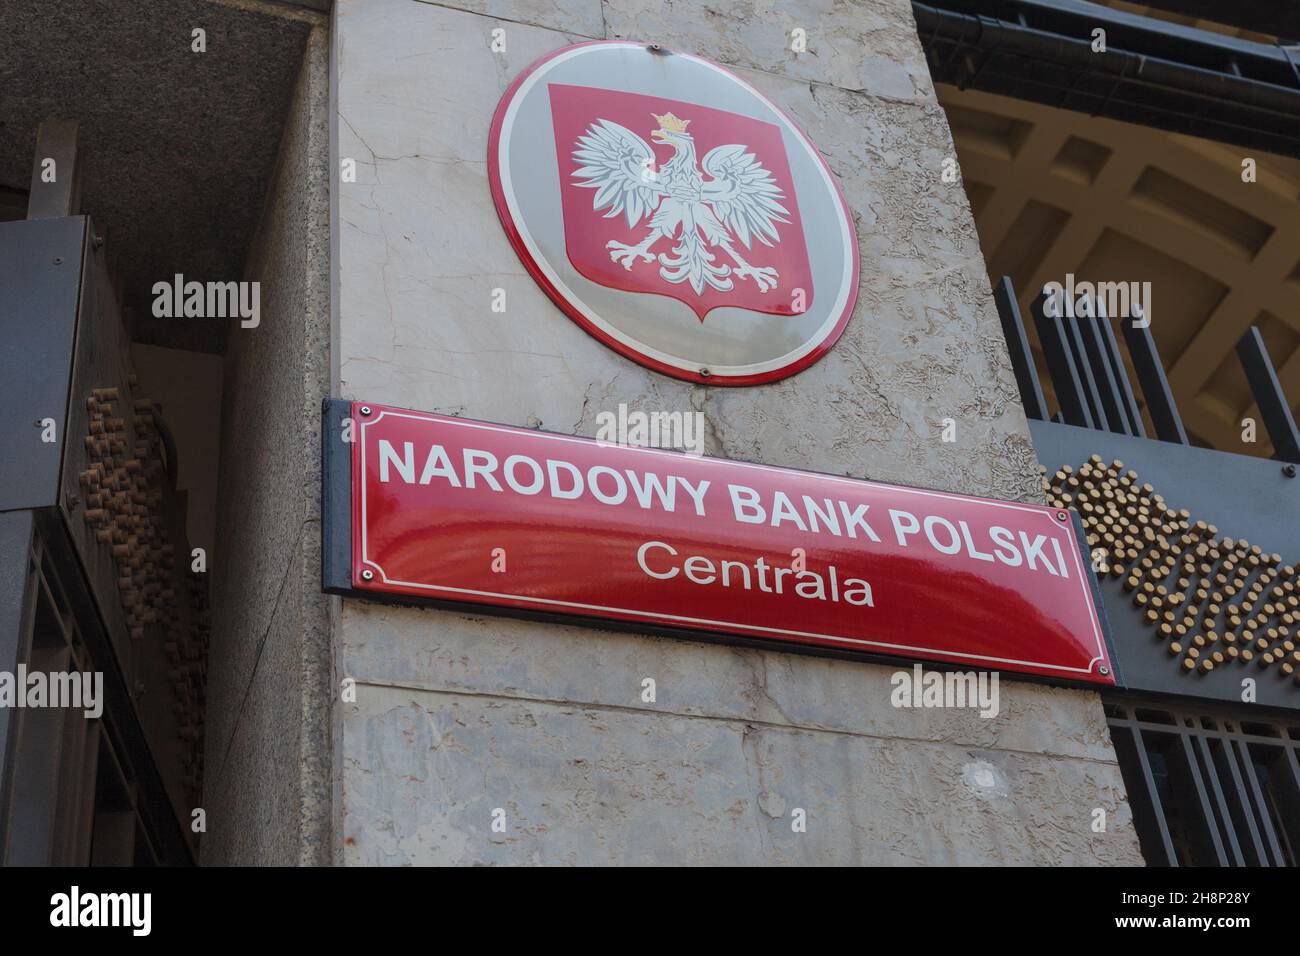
<point x="674" y="212"/>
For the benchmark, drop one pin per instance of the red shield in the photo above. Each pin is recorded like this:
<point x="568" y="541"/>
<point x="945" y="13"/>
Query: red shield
<point x="715" y="236"/>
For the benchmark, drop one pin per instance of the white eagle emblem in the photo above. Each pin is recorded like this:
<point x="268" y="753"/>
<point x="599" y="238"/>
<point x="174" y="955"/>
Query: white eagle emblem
<point x="738" y="201"/>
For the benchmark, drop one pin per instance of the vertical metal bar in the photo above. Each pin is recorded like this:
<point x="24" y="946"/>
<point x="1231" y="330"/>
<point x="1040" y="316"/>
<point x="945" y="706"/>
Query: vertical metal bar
<point x="1200" y="773"/>
<point x="335" y="499"/>
<point x="1087" y="374"/>
<point x="1257" y="799"/>
<point x="1154" y="795"/>
<point x="1094" y="342"/>
<point x="18" y="586"/>
<point x="38" y="771"/>
<point x="1243" y="799"/>
<point x="1155" y="386"/>
<point x="1262" y="378"/>
<point x="1128" y="401"/>
<point x="56" y="172"/>
<point x="1022" y="358"/>
<point x="1294" y="763"/>
<point x="68" y="786"/>
<point x="1060" y="364"/>
<point x="164" y="828"/>
<point x="83" y="823"/>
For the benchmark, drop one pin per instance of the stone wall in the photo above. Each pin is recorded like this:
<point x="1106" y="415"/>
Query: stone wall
<point x="267" y="787"/>
<point x="458" y="715"/>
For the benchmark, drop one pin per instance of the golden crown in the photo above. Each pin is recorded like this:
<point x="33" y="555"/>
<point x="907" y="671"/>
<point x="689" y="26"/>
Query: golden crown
<point x="671" y="123"/>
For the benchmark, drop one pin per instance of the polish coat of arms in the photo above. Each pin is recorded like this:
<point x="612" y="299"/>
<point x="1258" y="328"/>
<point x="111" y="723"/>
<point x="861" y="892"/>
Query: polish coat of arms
<point x="674" y="212"/>
<point x="738" y="201"/>
<point x="701" y="208"/>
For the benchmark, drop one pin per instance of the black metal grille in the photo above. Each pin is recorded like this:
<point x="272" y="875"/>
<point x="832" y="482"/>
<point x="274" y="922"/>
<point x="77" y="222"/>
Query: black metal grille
<point x="74" y="791"/>
<point x="1209" y="788"/>
<point x="1091" y="383"/>
<point x="72" y="799"/>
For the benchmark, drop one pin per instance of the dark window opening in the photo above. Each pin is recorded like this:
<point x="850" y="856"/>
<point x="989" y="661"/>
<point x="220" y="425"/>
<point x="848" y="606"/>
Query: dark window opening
<point x="1208" y="791"/>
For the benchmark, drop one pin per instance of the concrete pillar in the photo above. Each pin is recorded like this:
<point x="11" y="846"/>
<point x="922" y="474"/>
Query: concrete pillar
<point x="458" y="715"/>
<point x="267" y="734"/>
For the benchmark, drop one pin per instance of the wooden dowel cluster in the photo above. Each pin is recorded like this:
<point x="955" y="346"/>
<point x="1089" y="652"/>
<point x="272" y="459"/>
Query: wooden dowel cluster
<point x="122" y="485"/>
<point x="1213" y="600"/>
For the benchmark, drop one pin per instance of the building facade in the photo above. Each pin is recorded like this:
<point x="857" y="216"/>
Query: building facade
<point x="354" y="187"/>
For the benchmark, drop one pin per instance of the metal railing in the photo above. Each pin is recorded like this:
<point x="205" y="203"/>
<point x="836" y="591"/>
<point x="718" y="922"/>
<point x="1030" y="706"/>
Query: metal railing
<point x="1209" y="789"/>
<point x="1091" y="384"/>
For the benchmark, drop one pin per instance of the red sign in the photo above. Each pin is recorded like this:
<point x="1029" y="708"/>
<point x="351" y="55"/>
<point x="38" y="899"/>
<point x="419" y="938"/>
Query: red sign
<point x="464" y="511"/>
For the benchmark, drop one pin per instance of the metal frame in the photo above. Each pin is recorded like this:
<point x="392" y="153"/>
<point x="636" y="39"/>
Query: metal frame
<point x="1210" y="780"/>
<point x="1155" y="384"/>
<point x="1092" y="386"/>
<point x="1022" y="359"/>
<point x="1278" y="17"/>
<point x="1061" y="366"/>
<point x="336" y="497"/>
<point x="50" y="568"/>
<point x="55" y="750"/>
<point x="1270" y="398"/>
<point x="56" y="141"/>
<point x="1195" y="785"/>
<point x="1130" y="413"/>
<point x="1154" y="72"/>
<point x="65" y="339"/>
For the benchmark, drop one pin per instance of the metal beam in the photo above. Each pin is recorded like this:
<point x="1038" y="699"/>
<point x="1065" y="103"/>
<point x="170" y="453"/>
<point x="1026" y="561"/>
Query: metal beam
<point x="1022" y="358"/>
<point x="56" y="172"/>
<point x="1281" y="18"/>
<point x="1152" y="72"/>
<point x="1060" y="365"/>
<point x="1074" y="336"/>
<point x="1273" y="406"/>
<point x="1128" y="401"/>
<point x="1155" y="386"/>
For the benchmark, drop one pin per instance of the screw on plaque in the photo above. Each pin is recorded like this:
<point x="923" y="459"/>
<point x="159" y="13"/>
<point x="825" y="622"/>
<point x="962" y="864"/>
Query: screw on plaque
<point x="1288" y="470"/>
<point x="367" y="575"/>
<point x="365" y="409"/>
<point x="1103" y="670"/>
<point x="1062" y="516"/>
<point x="705" y="373"/>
